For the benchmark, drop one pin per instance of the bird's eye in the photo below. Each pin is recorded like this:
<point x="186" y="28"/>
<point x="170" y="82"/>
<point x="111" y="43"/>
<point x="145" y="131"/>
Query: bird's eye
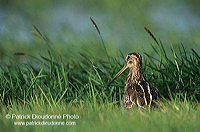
<point x="128" y="57"/>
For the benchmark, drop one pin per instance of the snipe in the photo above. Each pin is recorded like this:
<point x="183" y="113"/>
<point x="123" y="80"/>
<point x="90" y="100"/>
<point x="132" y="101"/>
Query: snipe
<point x="138" y="91"/>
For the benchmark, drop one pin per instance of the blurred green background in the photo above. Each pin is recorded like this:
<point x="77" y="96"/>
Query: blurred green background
<point x="67" y="25"/>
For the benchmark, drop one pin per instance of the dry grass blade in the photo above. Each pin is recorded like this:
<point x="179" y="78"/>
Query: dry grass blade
<point x="40" y="35"/>
<point x="95" y="25"/>
<point x="37" y="30"/>
<point x="19" y="53"/>
<point x="149" y="32"/>
<point x="87" y="58"/>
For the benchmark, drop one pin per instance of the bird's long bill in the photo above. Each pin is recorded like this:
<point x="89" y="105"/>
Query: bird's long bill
<point x="118" y="74"/>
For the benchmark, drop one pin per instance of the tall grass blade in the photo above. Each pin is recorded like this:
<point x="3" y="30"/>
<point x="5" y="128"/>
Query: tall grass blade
<point x="96" y="27"/>
<point x="151" y="34"/>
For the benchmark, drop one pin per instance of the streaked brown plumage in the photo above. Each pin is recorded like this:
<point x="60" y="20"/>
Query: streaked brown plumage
<point x="138" y="91"/>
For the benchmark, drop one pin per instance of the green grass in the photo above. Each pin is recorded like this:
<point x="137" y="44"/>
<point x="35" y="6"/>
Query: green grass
<point x="54" y="84"/>
<point x="173" y="116"/>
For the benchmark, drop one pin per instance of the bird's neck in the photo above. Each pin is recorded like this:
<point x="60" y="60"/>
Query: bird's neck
<point x="135" y="75"/>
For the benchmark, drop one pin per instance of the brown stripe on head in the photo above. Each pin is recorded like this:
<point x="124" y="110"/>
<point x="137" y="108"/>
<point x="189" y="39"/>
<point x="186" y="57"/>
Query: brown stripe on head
<point x="134" y="55"/>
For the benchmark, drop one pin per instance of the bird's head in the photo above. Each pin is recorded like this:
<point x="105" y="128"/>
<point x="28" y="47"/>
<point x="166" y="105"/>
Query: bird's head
<point x="133" y="61"/>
